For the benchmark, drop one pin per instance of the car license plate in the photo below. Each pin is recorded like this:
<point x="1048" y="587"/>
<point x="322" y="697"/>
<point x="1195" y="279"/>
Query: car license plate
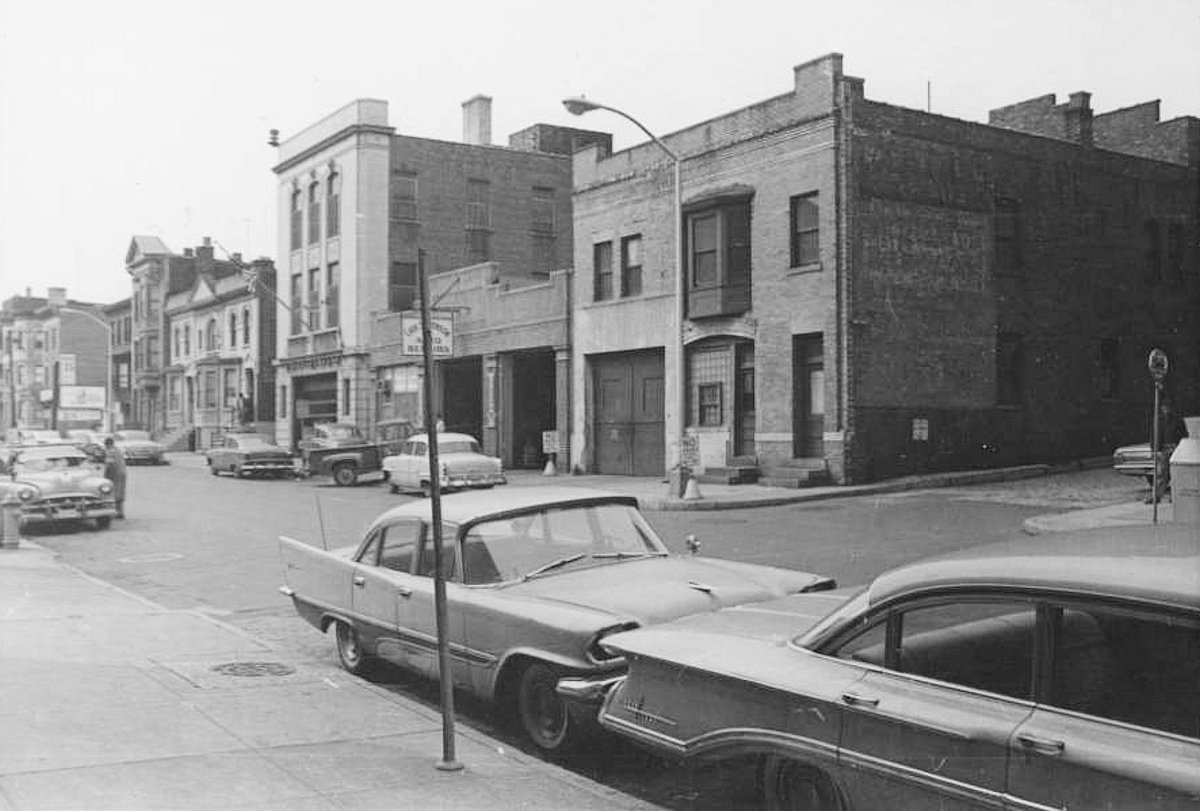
<point x="67" y="512"/>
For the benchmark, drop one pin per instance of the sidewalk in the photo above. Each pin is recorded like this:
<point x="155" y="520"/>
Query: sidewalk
<point x="108" y="701"/>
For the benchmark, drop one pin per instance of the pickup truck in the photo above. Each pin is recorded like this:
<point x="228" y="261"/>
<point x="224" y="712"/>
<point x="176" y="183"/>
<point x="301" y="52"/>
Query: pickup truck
<point x="340" y="450"/>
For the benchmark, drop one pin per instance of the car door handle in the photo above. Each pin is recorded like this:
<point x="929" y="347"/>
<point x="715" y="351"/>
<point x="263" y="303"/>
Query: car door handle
<point x="360" y="581"/>
<point x="404" y="591"/>
<point x="1045" y="746"/>
<point x="855" y="700"/>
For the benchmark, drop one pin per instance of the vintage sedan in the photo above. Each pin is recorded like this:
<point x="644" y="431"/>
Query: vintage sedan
<point x="1056" y="672"/>
<point x="58" y="483"/>
<point x="249" y="455"/>
<point x="138" y="448"/>
<point x="462" y="464"/>
<point x="535" y="579"/>
<point x="1138" y="460"/>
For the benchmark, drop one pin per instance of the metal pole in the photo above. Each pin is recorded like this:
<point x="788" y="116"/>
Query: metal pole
<point x="448" y="762"/>
<point x="680" y="317"/>
<point x="1154" y="449"/>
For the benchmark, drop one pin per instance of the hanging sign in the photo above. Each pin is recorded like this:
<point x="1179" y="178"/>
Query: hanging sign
<point x="441" y="331"/>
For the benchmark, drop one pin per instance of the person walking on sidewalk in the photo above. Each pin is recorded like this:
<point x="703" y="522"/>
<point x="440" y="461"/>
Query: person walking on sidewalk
<point x="114" y="470"/>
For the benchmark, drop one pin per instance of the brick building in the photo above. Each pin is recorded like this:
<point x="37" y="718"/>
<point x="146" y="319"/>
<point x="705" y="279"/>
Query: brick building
<point x="357" y="203"/>
<point x="54" y="362"/>
<point x="873" y="291"/>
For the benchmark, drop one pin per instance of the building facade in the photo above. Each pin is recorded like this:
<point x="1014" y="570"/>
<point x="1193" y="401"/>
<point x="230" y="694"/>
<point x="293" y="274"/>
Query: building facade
<point x="55" y="352"/>
<point x="119" y="316"/>
<point x="872" y="291"/>
<point x="220" y="343"/>
<point x="359" y="205"/>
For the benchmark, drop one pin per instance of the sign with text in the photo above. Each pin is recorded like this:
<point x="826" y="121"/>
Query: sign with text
<point x="441" y="331"/>
<point x="549" y="441"/>
<point x="66" y="370"/>
<point x="81" y="397"/>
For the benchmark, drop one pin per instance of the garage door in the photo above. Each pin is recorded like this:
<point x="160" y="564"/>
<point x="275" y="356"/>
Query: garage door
<point x="629" y="430"/>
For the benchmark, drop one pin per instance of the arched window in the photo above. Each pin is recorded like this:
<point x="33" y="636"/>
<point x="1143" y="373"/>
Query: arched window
<point x="210" y="337"/>
<point x="233" y="329"/>
<point x="246" y="326"/>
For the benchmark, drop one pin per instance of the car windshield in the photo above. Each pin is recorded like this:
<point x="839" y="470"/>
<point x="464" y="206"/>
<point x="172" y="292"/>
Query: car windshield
<point x="132" y="436"/>
<point x="516" y="547"/>
<point x="458" y="446"/>
<point x="33" y="462"/>
<point x="334" y="431"/>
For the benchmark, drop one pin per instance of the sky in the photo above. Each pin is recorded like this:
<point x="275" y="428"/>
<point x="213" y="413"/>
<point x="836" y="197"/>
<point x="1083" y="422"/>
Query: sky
<point x="130" y="118"/>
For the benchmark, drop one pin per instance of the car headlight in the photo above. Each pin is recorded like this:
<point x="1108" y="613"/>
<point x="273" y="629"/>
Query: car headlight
<point x="105" y="488"/>
<point x="25" y="494"/>
<point x="596" y="651"/>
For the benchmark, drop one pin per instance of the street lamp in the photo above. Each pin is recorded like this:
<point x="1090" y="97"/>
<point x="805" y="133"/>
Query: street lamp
<point x="107" y="422"/>
<point x="578" y="105"/>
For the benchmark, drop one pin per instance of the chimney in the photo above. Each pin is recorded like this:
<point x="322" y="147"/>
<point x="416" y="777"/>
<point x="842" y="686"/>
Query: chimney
<point x="1079" y="118"/>
<point x="56" y="296"/>
<point x="477" y="120"/>
<point x="187" y="252"/>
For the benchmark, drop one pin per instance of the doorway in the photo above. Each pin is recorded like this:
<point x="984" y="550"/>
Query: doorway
<point x="808" y="396"/>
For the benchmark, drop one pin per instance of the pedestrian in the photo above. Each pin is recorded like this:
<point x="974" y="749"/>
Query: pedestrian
<point x="114" y="471"/>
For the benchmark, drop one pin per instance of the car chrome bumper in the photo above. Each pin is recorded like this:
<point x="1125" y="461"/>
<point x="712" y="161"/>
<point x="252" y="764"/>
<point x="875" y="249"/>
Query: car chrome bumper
<point x="588" y="689"/>
<point x="35" y="512"/>
<point x="484" y="480"/>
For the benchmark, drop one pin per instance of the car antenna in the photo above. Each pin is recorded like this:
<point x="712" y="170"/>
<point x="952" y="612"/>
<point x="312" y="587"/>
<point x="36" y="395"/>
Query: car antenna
<point x="321" y="522"/>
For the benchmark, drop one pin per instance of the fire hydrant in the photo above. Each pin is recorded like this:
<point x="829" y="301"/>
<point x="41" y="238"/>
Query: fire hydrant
<point x="10" y="521"/>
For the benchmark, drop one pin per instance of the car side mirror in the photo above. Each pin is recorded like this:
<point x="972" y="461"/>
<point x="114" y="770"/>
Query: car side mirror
<point x="693" y="546"/>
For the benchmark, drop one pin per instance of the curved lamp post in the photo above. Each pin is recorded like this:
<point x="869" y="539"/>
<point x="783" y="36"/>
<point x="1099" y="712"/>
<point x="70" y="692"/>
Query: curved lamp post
<point x="107" y="422"/>
<point x="578" y="105"/>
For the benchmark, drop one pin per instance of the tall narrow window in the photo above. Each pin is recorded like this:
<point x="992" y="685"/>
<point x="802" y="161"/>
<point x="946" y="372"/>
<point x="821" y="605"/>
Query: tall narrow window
<point x="332" y="279"/>
<point x="283" y="401"/>
<point x="404" y="196"/>
<point x="1006" y="236"/>
<point x="479" y="204"/>
<point x="211" y="336"/>
<point x="346" y="397"/>
<point x="187" y="341"/>
<point x="402" y="286"/>
<point x="1009" y="359"/>
<point x="233" y="329"/>
<point x="1152" y="250"/>
<point x="631" y="265"/>
<point x="1109" y="368"/>
<point x="704" y="250"/>
<point x="313" y="299"/>
<point x="542" y="210"/>
<point x="229" y="389"/>
<point x="602" y="271"/>
<point x="314" y="213"/>
<point x="246" y="326"/>
<point x="297" y="222"/>
<point x="333" y="204"/>
<point x="710" y="405"/>
<point x="296" y="303"/>
<point x="805" y="229"/>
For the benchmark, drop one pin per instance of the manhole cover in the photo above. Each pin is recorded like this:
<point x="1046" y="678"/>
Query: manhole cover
<point x="254" y="669"/>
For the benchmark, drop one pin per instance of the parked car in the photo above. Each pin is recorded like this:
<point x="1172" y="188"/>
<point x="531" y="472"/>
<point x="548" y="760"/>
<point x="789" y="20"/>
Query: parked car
<point x="248" y="455"/>
<point x="39" y="436"/>
<point x="139" y="448"/>
<point x="1056" y="672"/>
<point x="58" y="483"/>
<point x="462" y="462"/>
<point x="1138" y="460"/>
<point x="339" y="450"/>
<point x="535" y="579"/>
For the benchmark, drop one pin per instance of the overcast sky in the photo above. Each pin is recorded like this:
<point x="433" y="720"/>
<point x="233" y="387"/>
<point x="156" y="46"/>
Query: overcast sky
<point x="128" y="117"/>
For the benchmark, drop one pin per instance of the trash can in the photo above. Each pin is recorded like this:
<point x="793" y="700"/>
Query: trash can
<point x="1185" y="475"/>
<point x="10" y="522"/>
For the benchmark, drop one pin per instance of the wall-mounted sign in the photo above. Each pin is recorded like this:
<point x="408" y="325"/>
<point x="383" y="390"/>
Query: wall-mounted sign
<point x="549" y="441"/>
<point x="441" y="331"/>
<point x="66" y="370"/>
<point x="81" y="397"/>
<point x="1158" y="364"/>
<point x="920" y="429"/>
